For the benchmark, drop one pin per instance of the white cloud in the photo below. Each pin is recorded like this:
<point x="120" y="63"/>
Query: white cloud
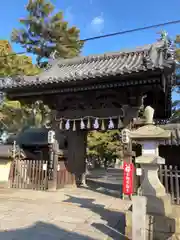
<point x="97" y="23"/>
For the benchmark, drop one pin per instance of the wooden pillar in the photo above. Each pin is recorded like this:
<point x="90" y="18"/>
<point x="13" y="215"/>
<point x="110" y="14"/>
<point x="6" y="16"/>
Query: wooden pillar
<point x="130" y="113"/>
<point x="52" y="184"/>
<point x="77" y="141"/>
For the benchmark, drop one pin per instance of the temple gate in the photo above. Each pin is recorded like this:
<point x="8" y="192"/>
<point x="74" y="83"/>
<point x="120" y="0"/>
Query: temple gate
<point x="99" y="92"/>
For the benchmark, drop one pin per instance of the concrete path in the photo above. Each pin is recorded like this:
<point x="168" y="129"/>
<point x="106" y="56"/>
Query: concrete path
<point x="79" y="214"/>
<point x="108" y="181"/>
<point x="111" y="175"/>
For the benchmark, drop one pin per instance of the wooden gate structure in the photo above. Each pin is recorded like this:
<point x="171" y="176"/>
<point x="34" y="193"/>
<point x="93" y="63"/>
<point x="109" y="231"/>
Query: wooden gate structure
<point x="170" y="178"/>
<point x="38" y="164"/>
<point x="29" y="174"/>
<point x="99" y="92"/>
<point x="63" y="176"/>
<point x="36" y="175"/>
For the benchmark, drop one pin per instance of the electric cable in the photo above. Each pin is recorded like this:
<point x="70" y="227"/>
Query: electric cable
<point x="112" y="34"/>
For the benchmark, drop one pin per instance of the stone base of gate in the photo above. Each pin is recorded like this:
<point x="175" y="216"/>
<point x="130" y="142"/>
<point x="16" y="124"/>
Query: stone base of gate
<point x="158" y="227"/>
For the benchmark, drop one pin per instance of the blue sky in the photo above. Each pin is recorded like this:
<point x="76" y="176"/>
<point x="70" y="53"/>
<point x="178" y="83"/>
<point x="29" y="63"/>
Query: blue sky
<point x="94" y="17"/>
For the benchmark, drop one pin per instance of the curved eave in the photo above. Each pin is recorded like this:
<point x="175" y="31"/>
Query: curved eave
<point x="120" y="80"/>
<point x="46" y="82"/>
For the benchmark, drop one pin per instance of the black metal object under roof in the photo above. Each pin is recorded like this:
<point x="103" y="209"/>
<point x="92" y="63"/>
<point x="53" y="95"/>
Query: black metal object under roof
<point x="38" y="136"/>
<point x="150" y="57"/>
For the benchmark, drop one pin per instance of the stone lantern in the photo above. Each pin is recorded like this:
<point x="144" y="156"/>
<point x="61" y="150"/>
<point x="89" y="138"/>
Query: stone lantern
<point x="149" y="137"/>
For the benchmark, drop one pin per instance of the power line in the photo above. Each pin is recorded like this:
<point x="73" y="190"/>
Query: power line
<point x="114" y="34"/>
<point x="132" y="30"/>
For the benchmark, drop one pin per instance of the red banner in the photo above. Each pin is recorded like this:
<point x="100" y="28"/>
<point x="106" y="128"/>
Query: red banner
<point x="128" y="178"/>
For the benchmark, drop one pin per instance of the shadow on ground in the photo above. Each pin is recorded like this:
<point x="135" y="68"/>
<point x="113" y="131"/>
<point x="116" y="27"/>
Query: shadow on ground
<point x="113" y="222"/>
<point x="41" y="231"/>
<point x="108" y="189"/>
<point x="108" y="182"/>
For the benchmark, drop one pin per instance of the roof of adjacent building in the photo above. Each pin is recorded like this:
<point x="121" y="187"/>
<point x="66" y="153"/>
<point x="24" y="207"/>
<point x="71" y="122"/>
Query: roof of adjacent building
<point x="38" y="136"/>
<point x="62" y="71"/>
<point x="175" y="133"/>
<point x="5" y="151"/>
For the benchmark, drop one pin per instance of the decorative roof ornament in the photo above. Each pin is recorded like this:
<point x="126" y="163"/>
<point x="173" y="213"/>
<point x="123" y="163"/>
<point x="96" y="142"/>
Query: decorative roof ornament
<point x="147" y="61"/>
<point x="169" y="45"/>
<point x="53" y="55"/>
<point x="164" y="36"/>
<point x="141" y="109"/>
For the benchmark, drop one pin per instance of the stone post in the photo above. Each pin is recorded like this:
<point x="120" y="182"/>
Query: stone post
<point x="139" y="218"/>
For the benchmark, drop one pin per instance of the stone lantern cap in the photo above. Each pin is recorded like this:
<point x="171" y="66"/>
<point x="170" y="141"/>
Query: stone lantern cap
<point x="150" y="132"/>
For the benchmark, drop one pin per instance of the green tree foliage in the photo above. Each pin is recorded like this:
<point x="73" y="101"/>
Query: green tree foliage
<point x="105" y="145"/>
<point x="44" y="32"/>
<point x="176" y="103"/>
<point x="12" y="64"/>
<point x="14" y="115"/>
<point x="177" y="41"/>
<point x="176" y="109"/>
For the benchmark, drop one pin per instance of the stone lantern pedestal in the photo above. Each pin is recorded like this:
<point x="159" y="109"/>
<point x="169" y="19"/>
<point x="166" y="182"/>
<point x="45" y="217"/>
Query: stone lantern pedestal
<point x="161" y="222"/>
<point x="150" y="136"/>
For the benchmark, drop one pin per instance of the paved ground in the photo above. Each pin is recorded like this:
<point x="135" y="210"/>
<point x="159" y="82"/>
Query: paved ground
<point x="108" y="182"/>
<point x="79" y="214"/>
<point x="111" y="176"/>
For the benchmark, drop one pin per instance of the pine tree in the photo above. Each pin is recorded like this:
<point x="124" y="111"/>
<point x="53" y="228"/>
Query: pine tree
<point x="44" y="32"/>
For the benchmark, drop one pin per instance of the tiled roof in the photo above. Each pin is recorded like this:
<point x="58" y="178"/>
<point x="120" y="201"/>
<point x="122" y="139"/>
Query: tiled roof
<point x="149" y="57"/>
<point x="5" y="151"/>
<point x="37" y="136"/>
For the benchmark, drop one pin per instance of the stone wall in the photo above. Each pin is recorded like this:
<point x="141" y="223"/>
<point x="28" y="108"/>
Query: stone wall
<point x="5" y="165"/>
<point x="157" y="227"/>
